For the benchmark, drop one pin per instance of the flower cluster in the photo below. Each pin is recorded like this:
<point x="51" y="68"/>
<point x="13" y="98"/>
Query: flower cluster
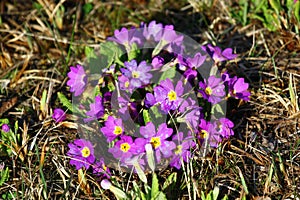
<point x="142" y="86"/>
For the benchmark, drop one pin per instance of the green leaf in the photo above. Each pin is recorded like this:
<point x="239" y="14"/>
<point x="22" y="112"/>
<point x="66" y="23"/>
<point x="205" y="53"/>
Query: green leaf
<point x="137" y="191"/>
<point x="155" y="186"/>
<point x="89" y="52"/>
<point x="4" y="121"/>
<point x="158" y="48"/>
<point x="97" y="91"/>
<point x="215" y="193"/>
<point x="275" y="4"/>
<point x="225" y="197"/>
<point x="146" y="116"/>
<point x="217" y="110"/>
<point x="154" y="112"/>
<point x="170" y="73"/>
<point x="65" y="102"/>
<point x="161" y="196"/>
<point x="203" y="197"/>
<point x="87" y="8"/>
<point x="140" y="172"/>
<point x="297" y="11"/>
<point x="148" y="191"/>
<point x="109" y="52"/>
<point x="171" y="181"/>
<point x="43" y="101"/>
<point x="4" y="176"/>
<point x="134" y="52"/>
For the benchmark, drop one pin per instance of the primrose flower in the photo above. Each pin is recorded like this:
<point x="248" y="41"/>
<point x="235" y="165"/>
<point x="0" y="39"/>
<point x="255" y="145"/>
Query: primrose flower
<point x="170" y="36"/>
<point x="167" y="96"/>
<point x="157" y="62"/>
<point x="182" y="150"/>
<point x="127" y="37"/>
<point x="193" y="64"/>
<point x="58" y="115"/>
<point x="96" y="110"/>
<point x="208" y="133"/>
<point x="238" y="88"/>
<point x="113" y="128"/>
<point x="81" y="153"/>
<point x="5" y="128"/>
<point x="123" y="148"/>
<point x="153" y="31"/>
<point x="158" y="139"/>
<point x="78" y="79"/>
<point x="213" y="89"/>
<point x="100" y="168"/>
<point x="224" y="127"/>
<point x="138" y="74"/>
<point x="217" y="54"/>
<point x="191" y="113"/>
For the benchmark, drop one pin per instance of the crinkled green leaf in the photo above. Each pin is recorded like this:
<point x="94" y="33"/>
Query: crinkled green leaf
<point x="155" y="186"/>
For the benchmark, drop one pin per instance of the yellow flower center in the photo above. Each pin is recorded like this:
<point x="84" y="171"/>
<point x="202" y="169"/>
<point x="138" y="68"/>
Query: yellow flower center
<point x="104" y="167"/>
<point x="178" y="149"/>
<point x="126" y="84"/>
<point x="172" y="95"/>
<point x="118" y="130"/>
<point x="135" y="74"/>
<point x="155" y="141"/>
<point x="203" y="134"/>
<point x="208" y="91"/>
<point x="125" y="147"/>
<point x="85" y="152"/>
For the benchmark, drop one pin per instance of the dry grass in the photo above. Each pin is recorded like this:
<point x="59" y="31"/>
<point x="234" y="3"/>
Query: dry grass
<point x="38" y="42"/>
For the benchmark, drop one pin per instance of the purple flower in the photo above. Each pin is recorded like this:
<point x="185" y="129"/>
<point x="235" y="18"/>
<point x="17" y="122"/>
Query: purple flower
<point x="171" y="41"/>
<point x="139" y="146"/>
<point x="217" y="54"/>
<point x="238" y="88"/>
<point x="78" y="79"/>
<point x="113" y="128"/>
<point x="191" y="113"/>
<point x="208" y="133"/>
<point x="100" y="168"/>
<point x="123" y="148"/>
<point x="5" y="128"/>
<point x="182" y="62"/>
<point x="82" y="153"/>
<point x="135" y="76"/>
<point x="193" y="64"/>
<point x="226" y="77"/>
<point x="153" y="31"/>
<point x="157" y="62"/>
<point x="125" y="83"/>
<point x="127" y="37"/>
<point x="96" y="110"/>
<point x="158" y="139"/>
<point x="196" y="61"/>
<point x="58" y="115"/>
<point x="224" y="127"/>
<point x="150" y="100"/>
<point x="182" y="150"/>
<point x="167" y="96"/>
<point x="213" y="89"/>
<point x="170" y="36"/>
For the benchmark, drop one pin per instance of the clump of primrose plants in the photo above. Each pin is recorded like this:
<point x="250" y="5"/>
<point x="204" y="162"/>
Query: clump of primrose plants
<point x="148" y="88"/>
